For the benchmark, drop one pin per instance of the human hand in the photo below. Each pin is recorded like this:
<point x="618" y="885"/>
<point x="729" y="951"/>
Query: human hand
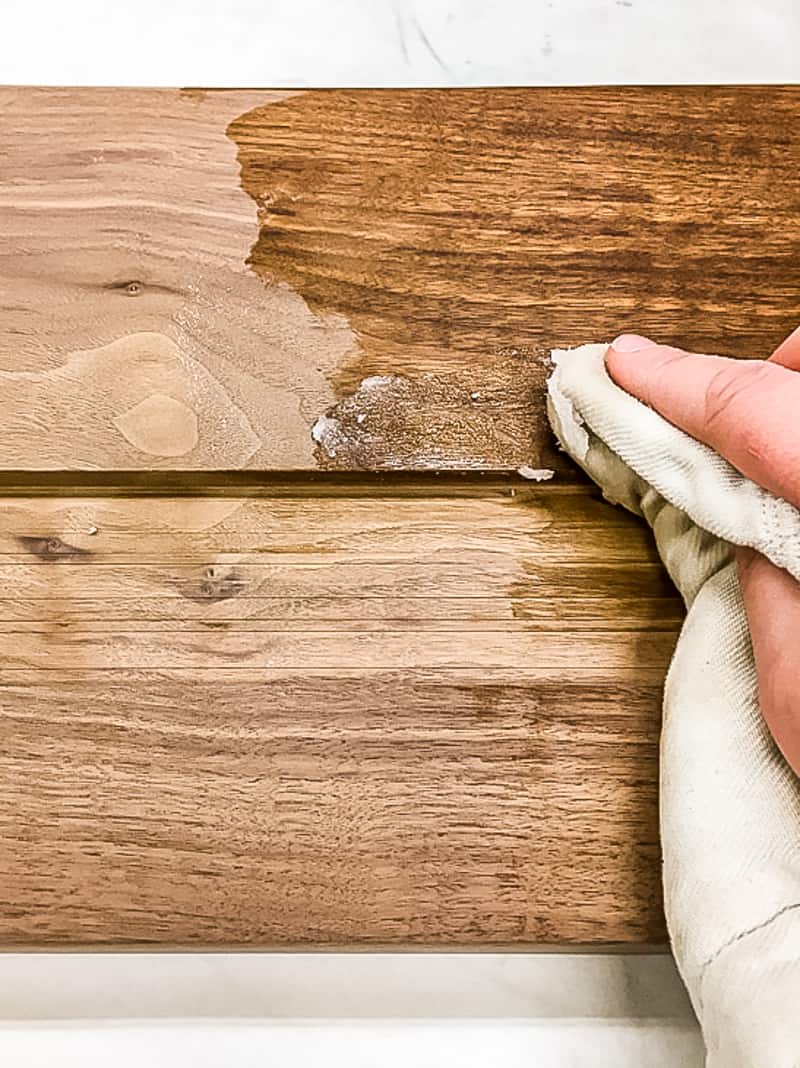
<point x="729" y="803"/>
<point x="749" y="412"/>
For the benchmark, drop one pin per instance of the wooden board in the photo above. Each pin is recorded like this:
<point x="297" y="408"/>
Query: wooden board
<point x="346" y="718"/>
<point x="253" y="692"/>
<point x="195" y="279"/>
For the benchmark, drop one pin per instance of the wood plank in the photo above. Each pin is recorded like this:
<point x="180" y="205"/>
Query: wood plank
<point x="386" y="719"/>
<point x="198" y="280"/>
<point x="249" y="696"/>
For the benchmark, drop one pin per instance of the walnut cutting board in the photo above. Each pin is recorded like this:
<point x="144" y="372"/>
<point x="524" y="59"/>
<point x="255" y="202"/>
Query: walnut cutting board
<point x="266" y="678"/>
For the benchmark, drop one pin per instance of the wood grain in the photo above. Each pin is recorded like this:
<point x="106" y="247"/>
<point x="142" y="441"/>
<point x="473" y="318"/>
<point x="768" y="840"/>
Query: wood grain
<point x="193" y="280"/>
<point x="385" y="717"/>
<point x="253" y="691"/>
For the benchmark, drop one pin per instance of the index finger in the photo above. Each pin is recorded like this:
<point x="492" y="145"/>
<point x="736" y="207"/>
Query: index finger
<point x="746" y="410"/>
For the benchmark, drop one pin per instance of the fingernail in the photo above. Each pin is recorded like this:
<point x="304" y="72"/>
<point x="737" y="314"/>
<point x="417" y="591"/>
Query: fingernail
<point x="632" y="343"/>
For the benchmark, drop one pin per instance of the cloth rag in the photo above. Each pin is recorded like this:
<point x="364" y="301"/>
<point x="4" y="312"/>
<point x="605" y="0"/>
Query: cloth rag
<point x="729" y="803"/>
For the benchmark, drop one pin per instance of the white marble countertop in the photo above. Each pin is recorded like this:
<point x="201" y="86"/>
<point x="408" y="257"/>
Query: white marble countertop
<point x="448" y="1010"/>
<point x="397" y="42"/>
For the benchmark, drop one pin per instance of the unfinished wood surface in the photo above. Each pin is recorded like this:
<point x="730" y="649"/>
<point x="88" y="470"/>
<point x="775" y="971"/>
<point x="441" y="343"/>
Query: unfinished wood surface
<point x="388" y="717"/>
<point x="367" y="280"/>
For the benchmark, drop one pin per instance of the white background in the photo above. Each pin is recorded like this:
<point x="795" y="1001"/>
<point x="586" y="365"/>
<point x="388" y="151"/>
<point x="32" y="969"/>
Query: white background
<point x="364" y="1010"/>
<point x="396" y="42"/>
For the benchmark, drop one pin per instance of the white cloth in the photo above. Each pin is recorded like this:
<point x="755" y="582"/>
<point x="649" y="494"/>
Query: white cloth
<point x="730" y="805"/>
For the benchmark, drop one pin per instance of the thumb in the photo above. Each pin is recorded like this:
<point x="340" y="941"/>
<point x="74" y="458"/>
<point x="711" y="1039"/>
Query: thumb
<point x="746" y="410"/>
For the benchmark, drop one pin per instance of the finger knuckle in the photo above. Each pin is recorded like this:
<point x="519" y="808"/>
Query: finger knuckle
<point x="731" y="397"/>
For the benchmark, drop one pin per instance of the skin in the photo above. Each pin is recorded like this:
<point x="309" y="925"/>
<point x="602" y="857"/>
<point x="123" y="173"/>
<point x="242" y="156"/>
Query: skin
<point x="749" y="412"/>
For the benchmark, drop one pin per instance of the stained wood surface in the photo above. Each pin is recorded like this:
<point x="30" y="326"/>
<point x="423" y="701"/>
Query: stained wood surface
<point x="249" y="696"/>
<point x="198" y="280"/>
<point x="383" y="717"/>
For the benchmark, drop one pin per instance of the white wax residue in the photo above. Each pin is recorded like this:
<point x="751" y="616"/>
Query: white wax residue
<point x="535" y="474"/>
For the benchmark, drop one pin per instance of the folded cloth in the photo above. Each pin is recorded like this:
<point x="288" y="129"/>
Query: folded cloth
<point x="730" y="805"/>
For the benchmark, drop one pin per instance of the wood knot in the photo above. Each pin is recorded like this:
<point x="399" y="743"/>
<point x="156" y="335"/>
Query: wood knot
<point x="217" y="583"/>
<point x="131" y="288"/>
<point x="52" y="549"/>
